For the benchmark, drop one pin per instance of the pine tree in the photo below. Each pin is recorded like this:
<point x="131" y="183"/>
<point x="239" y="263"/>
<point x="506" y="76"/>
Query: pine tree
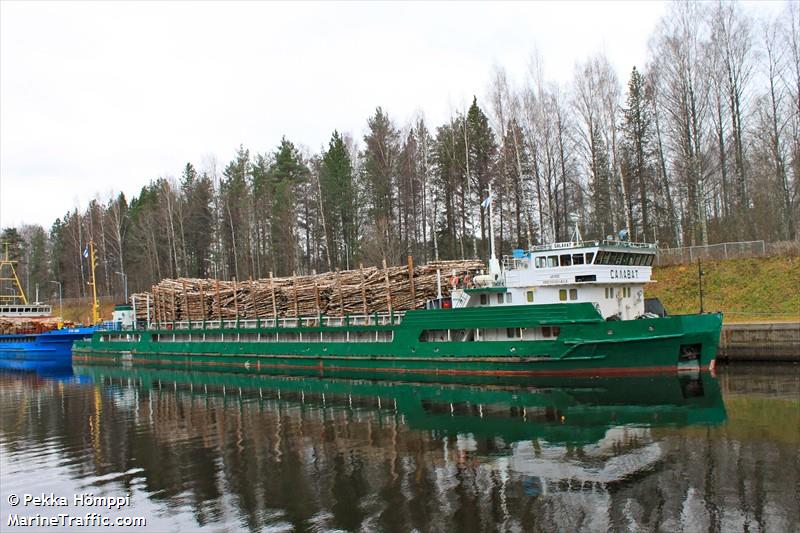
<point x="449" y="182"/>
<point x="37" y="261"/>
<point x="380" y="160"/>
<point x="235" y="230"/>
<point x="482" y="155"/>
<point x="338" y="201"/>
<point x="637" y="151"/>
<point x="286" y="174"/>
<point x="198" y="195"/>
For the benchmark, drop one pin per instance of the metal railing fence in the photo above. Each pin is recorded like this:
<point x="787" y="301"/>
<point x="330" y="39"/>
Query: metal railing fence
<point x="725" y="250"/>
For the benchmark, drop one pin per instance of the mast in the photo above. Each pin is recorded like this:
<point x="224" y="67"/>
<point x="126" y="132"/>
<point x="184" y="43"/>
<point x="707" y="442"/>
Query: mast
<point x="93" y="283"/>
<point x="494" y="264"/>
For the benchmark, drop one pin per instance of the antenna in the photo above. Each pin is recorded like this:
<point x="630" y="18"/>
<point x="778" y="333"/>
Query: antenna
<point x="494" y="264"/>
<point x="576" y="233"/>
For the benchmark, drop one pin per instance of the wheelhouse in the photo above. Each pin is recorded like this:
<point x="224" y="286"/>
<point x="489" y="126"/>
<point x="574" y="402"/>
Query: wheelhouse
<point x="610" y="274"/>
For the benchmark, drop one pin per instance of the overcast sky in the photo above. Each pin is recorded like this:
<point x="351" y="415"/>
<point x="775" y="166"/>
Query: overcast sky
<point x="101" y="97"/>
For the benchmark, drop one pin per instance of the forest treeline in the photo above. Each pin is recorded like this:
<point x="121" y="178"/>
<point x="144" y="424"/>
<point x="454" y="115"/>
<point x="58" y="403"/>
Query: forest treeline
<point x="700" y="145"/>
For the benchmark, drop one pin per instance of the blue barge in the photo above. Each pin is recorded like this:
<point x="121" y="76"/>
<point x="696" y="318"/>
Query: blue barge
<point x="31" y="338"/>
<point x="37" y="351"/>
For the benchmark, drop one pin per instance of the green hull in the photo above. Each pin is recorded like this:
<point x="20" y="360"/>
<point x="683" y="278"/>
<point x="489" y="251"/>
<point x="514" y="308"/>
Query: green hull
<point x="581" y="343"/>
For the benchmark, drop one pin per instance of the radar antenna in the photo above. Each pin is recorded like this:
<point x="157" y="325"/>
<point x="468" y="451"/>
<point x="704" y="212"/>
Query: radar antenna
<point x="576" y="232"/>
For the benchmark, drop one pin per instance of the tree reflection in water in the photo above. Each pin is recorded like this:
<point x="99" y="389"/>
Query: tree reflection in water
<point x="246" y="451"/>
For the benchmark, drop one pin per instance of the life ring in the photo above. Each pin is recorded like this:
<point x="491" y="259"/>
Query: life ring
<point x="453" y="281"/>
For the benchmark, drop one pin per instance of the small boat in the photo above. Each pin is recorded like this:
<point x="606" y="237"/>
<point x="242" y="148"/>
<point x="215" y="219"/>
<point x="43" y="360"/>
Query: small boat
<point x="570" y="308"/>
<point x="32" y="339"/>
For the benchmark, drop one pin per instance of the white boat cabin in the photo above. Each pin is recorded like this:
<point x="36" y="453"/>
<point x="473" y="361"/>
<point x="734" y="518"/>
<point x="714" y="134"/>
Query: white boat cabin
<point x="23" y="310"/>
<point x="610" y="274"/>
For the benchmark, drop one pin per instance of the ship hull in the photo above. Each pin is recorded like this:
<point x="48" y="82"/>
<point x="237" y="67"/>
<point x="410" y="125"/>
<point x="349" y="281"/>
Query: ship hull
<point x="583" y="345"/>
<point x="52" y="349"/>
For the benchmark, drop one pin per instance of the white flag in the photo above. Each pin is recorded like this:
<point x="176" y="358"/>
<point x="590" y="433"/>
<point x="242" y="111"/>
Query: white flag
<point x="86" y="252"/>
<point x="486" y="202"/>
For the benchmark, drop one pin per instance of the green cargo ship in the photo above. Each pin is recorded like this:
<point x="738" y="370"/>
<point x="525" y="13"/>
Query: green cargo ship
<point x="561" y="309"/>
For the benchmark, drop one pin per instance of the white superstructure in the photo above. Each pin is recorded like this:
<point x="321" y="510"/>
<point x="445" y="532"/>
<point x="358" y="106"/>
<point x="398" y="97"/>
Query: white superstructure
<point x="611" y="274"/>
<point x="32" y="310"/>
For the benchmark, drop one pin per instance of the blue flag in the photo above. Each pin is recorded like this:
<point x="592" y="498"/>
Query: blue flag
<point x="86" y="252"/>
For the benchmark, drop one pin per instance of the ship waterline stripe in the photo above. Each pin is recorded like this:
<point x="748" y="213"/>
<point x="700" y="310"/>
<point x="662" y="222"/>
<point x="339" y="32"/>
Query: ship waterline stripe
<point x="315" y="358"/>
<point x="602" y="371"/>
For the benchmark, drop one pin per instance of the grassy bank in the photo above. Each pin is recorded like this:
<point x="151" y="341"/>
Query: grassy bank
<point x="746" y="290"/>
<point x="80" y="312"/>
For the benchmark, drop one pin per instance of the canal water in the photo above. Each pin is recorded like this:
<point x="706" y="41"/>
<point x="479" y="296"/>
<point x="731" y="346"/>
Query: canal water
<point x="203" y="451"/>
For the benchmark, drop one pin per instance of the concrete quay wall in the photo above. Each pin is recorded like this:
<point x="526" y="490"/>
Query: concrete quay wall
<point x="778" y="341"/>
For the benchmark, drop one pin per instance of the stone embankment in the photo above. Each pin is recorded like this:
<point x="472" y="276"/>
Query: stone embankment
<point x="776" y="341"/>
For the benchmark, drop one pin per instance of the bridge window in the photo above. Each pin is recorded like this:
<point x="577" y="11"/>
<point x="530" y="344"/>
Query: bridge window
<point x="566" y="260"/>
<point x="589" y="257"/>
<point x="541" y="262"/>
<point x="577" y="259"/>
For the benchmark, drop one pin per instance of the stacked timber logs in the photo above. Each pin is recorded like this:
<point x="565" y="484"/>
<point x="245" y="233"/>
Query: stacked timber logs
<point x="361" y="291"/>
<point x="27" y="326"/>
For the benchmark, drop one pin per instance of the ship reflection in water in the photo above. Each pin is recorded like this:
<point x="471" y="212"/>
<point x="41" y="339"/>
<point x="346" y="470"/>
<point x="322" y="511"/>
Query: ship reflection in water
<point x="227" y="452"/>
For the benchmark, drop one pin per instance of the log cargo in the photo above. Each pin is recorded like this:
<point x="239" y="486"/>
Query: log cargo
<point x="28" y="326"/>
<point x="348" y="292"/>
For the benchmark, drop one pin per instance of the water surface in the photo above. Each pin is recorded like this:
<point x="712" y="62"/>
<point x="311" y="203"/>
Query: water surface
<point x="244" y="452"/>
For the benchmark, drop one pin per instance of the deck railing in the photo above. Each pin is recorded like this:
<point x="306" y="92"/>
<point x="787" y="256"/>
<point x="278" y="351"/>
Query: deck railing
<point x="375" y="319"/>
<point x="586" y="244"/>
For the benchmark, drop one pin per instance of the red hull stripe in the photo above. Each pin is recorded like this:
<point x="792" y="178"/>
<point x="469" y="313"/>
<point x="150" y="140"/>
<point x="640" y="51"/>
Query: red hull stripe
<point x="258" y="365"/>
